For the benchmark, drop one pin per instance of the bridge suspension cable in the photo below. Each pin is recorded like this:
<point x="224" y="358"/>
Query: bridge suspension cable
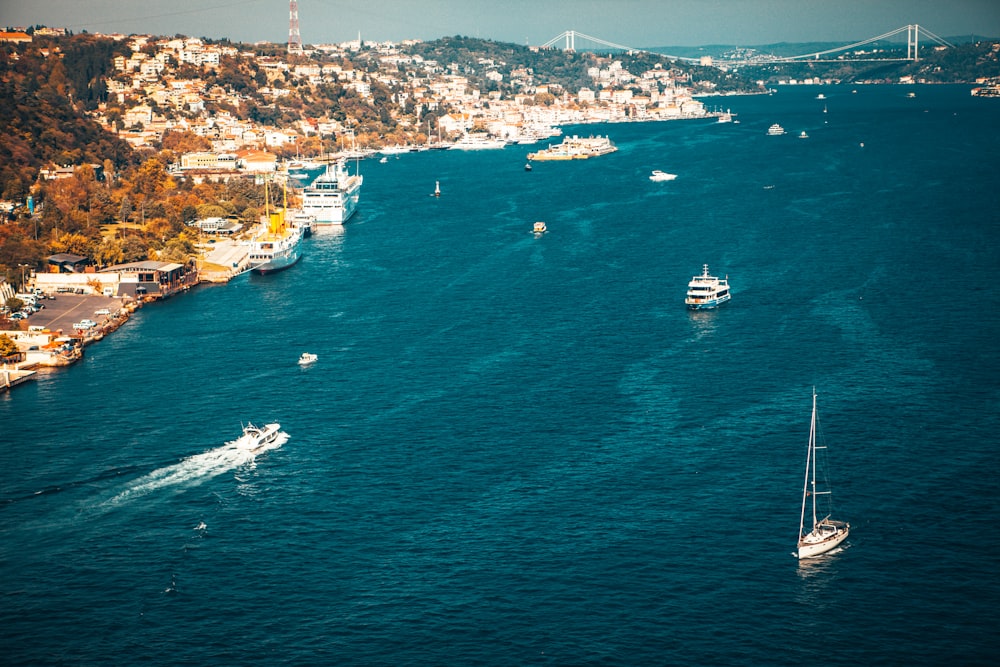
<point x="913" y="33"/>
<point x="570" y="37"/>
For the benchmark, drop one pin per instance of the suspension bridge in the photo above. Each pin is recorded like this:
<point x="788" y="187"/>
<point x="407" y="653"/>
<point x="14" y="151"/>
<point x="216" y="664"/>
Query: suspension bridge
<point x="913" y="32"/>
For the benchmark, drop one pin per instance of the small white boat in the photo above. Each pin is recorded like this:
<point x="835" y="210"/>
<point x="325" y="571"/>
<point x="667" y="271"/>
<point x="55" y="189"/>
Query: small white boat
<point x="539" y="228"/>
<point x="307" y="358"/>
<point x="658" y="175"/>
<point x="383" y="160"/>
<point x="825" y="534"/>
<point x="256" y="437"/>
<point x="803" y="135"/>
<point x="775" y="130"/>
<point x="821" y="96"/>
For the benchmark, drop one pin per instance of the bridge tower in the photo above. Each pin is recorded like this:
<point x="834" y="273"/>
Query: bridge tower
<point x="912" y="42"/>
<point x="571" y="40"/>
<point x="294" y="39"/>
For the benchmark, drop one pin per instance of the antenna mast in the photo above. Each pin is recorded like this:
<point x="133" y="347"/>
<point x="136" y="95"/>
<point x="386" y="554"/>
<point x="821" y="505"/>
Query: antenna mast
<point x="294" y="39"/>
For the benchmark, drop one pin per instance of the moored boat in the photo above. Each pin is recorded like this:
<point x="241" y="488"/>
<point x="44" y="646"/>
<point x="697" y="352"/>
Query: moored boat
<point x="333" y="197"/>
<point x="276" y="246"/>
<point x="477" y="141"/>
<point x="825" y="534"/>
<point x="707" y="291"/>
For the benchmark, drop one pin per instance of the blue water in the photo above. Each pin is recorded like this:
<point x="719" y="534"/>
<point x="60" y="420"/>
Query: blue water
<point x="520" y="450"/>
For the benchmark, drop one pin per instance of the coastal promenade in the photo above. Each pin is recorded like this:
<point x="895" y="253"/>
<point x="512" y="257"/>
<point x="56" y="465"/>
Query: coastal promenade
<point x="223" y="260"/>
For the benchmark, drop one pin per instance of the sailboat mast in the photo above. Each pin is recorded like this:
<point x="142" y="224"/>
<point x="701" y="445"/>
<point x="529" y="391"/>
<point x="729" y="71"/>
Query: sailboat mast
<point x="812" y="456"/>
<point x="809" y="466"/>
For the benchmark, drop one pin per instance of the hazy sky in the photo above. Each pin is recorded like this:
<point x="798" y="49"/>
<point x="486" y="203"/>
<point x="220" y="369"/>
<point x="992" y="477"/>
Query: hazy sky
<point x="638" y="23"/>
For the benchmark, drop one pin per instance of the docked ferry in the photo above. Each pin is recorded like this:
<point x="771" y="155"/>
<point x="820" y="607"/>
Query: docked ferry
<point x="707" y="291"/>
<point x="575" y="148"/>
<point x="333" y="196"/>
<point x="276" y="245"/>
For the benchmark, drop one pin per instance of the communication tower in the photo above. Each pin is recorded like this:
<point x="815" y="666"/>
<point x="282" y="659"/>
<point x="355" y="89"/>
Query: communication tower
<point x="294" y="39"/>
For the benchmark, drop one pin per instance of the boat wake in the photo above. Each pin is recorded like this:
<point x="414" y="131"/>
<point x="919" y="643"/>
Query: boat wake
<point x="194" y="469"/>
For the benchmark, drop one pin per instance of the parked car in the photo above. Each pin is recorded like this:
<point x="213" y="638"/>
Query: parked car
<point x="84" y="324"/>
<point x="102" y="311"/>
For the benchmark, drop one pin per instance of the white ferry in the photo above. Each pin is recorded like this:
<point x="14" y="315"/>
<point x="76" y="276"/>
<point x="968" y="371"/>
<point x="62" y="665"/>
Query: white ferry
<point x="477" y="141"/>
<point x="276" y="246"/>
<point x="575" y="148"/>
<point x="707" y="291"/>
<point x="333" y="196"/>
<point x="775" y="130"/>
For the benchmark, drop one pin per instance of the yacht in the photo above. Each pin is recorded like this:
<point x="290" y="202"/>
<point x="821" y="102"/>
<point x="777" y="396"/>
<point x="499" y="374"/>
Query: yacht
<point x="658" y="175"/>
<point x="255" y="438"/>
<point x="707" y="291"/>
<point x="307" y="358"/>
<point x="775" y="130"/>
<point x="539" y="228"/>
<point x="333" y="196"/>
<point x="477" y="141"/>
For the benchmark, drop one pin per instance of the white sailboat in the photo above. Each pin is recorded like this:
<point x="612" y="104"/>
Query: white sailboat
<point x="825" y="533"/>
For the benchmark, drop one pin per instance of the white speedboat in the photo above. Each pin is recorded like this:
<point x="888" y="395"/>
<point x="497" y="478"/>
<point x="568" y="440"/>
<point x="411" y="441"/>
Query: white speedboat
<point x="803" y="135"/>
<point x="255" y="438"/>
<point x="658" y="175"/>
<point x="775" y="130"/>
<point x="707" y="291"/>
<point x="826" y="534"/>
<point x="307" y="358"/>
<point x="539" y="228"/>
<point x="333" y="196"/>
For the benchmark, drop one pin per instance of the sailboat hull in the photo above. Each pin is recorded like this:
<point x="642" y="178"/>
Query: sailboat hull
<point x="825" y="537"/>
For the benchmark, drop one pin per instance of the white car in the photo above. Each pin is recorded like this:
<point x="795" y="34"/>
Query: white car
<point x="84" y="324"/>
<point x="102" y="311"/>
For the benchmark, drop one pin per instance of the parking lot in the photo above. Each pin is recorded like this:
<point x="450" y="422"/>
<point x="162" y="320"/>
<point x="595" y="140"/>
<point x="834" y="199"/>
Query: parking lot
<point x="67" y="309"/>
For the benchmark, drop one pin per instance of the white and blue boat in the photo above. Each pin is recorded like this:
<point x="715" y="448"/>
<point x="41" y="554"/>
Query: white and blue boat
<point x="333" y="197"/>
<point x="707" y="291"/>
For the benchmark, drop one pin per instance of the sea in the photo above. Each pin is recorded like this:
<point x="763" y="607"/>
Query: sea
<point x="524" y="450"/>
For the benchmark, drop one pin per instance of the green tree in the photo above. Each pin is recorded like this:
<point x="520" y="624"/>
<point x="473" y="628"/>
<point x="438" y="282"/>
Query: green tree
<point x="7" y="346"/>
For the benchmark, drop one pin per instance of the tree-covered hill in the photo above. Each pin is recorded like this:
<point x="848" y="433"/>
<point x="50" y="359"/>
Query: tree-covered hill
<point x="44" y="93"/>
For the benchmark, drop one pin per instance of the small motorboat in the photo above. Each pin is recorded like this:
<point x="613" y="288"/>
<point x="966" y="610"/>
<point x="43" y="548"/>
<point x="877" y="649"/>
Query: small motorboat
<point x="539" y="228"/>
<point x="803" y="135"/>
<point x="256" y="437"/>
<point x="307" y="358"/>
<point x="658" y="175"/>
<point x="527" y="166"/>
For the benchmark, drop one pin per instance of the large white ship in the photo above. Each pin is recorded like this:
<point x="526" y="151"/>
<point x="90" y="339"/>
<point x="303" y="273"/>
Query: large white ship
<point x="575" y="148"/>
<point x="276" y="245"/>
<point x="333" y="196"/>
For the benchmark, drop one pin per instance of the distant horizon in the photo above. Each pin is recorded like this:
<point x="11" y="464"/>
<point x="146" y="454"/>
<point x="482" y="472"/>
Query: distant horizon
<point x="640" y="24"/>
